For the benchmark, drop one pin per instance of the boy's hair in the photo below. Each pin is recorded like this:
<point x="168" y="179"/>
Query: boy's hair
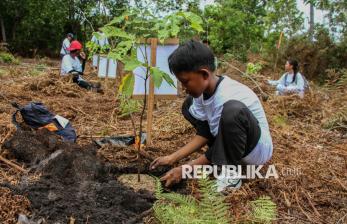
<point x="191" y="57"/>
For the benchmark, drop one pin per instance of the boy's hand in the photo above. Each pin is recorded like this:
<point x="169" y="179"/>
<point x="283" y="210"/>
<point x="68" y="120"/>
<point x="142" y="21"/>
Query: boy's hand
<point x="161" y="161"/>
<point x="174" y="176"/>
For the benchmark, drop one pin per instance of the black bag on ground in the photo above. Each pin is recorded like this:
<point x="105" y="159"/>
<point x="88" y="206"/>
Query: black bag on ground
<point x="37" y="116"/>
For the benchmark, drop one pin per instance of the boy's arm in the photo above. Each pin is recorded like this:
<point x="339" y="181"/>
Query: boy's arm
<point x="195" y="144"/>
<point x="174" y="176"/>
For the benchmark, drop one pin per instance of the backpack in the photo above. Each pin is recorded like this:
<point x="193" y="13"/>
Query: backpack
<point x="37" y="116"/>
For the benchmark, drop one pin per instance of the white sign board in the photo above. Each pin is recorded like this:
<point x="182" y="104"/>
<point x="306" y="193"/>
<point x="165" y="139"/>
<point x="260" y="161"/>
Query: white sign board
<point x="95" y="60"/>
<point x="163" y="53"/>
<point x="107" y="68"/>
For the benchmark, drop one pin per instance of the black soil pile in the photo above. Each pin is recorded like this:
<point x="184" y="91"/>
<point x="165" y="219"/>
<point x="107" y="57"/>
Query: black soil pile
<point x="74" y="183"/>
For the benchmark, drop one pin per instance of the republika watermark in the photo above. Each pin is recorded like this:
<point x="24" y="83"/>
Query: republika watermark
<point x="229" y="171"/>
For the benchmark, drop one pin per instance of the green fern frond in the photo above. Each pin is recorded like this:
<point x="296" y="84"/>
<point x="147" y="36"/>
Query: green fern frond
<point x="158" y="188"/>
<point x="173" y="208"/>
<point x="213" y="207"/>
<point x="264" y="210"/>
<point x="180" y="199"/>
<point x="169" y="213"/>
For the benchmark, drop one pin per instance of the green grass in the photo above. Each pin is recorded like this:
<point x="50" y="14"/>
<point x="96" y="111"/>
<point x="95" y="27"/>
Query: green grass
<point x="8" y="58"/>
<point x="280" y="120"/>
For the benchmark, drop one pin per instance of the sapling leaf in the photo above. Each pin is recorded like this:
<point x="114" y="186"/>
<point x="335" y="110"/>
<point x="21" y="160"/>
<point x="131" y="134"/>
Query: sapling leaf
<point x="115" y="55"/>
<point x="163" y="34"/>
<point x="121" y="50"/>
<point x="131" y="63"/>
<point x="157" y="76"/>
<point x="116" y="20"/>
<point x="111" y="31"/>
<point x="127" y="85"/>
<point x="175" y="29"/>
<point x="168" y="79"/>
<point x="194" y="20"/>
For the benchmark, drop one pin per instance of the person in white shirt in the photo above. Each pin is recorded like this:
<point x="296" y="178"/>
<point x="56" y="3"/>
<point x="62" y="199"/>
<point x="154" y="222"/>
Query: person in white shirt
<point x="102" y="43"/>
<point x="71" y="64"/>
<point x="291" y="82"/>
<point x="66" y="44"/>
<point x="227" y="115"/>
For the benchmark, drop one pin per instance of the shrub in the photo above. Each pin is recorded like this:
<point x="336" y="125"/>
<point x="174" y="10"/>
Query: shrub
<point x="315" y="57"/>
<point x="8" y="58"/>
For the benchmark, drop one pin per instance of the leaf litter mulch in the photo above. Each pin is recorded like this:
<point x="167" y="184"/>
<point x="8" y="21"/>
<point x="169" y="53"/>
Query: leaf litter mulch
<point x="81" y="182"/>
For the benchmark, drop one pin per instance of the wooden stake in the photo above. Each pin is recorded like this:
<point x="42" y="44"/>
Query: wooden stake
<point x="154" y="43"/>
<point x="107" y="67"/>
<point x="278" y="48"/>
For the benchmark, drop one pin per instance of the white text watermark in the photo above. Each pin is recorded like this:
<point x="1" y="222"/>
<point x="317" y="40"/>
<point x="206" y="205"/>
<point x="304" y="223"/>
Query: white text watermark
<point x="229" y="171"/>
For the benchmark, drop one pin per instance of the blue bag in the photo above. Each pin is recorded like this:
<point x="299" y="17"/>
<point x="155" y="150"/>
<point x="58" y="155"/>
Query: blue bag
<point x="37" y="116"/>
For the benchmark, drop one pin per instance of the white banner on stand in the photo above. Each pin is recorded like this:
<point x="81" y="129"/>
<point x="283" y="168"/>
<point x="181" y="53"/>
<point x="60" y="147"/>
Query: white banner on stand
<point x="107" y="68"/>
<point x="163" y="53"/>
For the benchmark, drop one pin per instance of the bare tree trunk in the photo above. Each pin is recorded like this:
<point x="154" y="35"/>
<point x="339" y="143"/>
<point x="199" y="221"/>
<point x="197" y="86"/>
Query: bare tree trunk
<point x="311" y="28"/>
<point x="3" y="33"/>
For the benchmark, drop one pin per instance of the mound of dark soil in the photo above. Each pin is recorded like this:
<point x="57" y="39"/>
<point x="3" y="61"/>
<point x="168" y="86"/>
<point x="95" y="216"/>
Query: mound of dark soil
<point x="74" y="182"/>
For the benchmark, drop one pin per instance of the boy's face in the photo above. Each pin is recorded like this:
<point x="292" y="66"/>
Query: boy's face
<point x="194" y="83"/>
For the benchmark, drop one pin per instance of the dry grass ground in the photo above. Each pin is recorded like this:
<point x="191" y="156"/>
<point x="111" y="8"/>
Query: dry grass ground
<point x="311" y="161"/>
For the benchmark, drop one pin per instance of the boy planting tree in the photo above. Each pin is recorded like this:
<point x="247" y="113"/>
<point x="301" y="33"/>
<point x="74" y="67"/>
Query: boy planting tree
<point x="227" y="115"/>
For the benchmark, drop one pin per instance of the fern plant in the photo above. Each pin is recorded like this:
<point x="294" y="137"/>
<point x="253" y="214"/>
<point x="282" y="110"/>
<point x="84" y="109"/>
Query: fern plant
<point x="174" y="208"/>
<point x="213" y="207"/>
<point x="264" y="210"/>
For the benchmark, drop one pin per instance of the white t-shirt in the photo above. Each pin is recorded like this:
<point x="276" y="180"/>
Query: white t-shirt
<point x="68" y="63"/>
<point x="285" y="83"/>
<point x="210" y="110"/>
<point x="65" y="46"/>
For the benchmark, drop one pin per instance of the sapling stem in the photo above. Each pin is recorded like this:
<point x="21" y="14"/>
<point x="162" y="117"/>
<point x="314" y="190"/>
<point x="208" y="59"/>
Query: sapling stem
<point x="143" y="111"/>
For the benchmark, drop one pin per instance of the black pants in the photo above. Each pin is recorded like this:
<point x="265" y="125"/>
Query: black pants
<point x="238" y="132"/>
<point x="81" y="82"/>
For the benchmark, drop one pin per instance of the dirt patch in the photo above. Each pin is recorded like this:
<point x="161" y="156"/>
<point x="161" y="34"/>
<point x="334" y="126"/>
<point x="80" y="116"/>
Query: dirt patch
<point x="32" y="147"/>
<point x="74" y="182"/>
<point x="146" y="182"/>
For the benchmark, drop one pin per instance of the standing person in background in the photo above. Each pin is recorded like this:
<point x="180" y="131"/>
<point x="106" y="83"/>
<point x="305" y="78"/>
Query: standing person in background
<point x="101" y="41"/>
<point x="66" y="44"/>
<point x="71" y="65"/>
<point x="291" y="82"/>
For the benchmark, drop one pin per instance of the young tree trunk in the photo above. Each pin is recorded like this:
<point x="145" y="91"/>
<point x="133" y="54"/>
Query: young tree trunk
<point x="311" y="28"/>
<point x="3" y="33"/>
